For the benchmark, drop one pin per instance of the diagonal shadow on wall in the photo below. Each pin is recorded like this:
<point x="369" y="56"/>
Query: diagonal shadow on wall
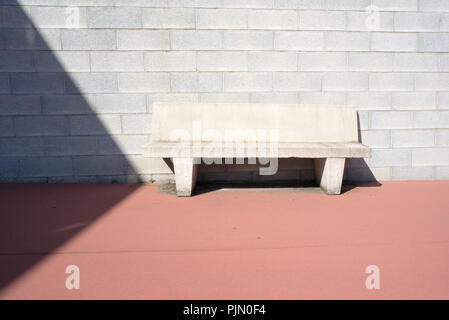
<point x="55" y="135"/>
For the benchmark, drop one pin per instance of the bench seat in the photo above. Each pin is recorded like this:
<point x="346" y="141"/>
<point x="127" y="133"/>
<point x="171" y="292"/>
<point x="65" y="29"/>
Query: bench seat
<point x="284" y="150"/>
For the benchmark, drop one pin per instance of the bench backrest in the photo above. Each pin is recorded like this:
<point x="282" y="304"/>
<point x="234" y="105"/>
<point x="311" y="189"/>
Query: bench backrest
<point x="293" y="122"/>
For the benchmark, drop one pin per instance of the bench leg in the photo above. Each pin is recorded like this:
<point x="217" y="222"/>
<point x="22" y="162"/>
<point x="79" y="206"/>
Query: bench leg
<point x="185" y="176"/>
<point x="329" y="174"/>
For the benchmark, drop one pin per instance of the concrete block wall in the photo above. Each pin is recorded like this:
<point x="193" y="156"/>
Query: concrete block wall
<point x="78" y="79"/>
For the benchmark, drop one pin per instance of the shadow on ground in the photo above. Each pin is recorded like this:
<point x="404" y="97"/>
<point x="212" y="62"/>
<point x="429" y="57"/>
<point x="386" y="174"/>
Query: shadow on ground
<point x="47" y="103"/>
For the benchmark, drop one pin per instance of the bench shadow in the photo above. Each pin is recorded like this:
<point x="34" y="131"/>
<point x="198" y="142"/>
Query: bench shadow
<point x="58" y="138"/>
<point x="357" y="171"/>
<point x="206" y="187"/>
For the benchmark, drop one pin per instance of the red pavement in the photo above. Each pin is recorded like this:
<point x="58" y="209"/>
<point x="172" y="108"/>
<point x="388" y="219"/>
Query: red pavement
<point x="136" y="242"/>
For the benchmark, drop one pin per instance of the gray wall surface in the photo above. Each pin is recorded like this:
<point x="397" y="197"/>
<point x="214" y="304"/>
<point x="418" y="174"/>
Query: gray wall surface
<point x="78" y="79"/>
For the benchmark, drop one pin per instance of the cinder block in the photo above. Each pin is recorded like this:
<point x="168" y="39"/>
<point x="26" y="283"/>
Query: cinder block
<point x="345" y="4"/>
<point x="376" y="138"/>
<point x="143" y="39"/>
<point x="433" y="42"/>
<point x="68" y="104"/>
<point x="391" y="120"/>
<point x="322" y="61"/>
<point x="433" y="5"/>
<point x="273" y="61"/>
<point x="59" y="2"/>
<point x="58" y="17"/>
<point x="163" y="177"/>
<point x="248" y="4"/>
<point x="397" y="5"/>
<point x="196" y="40"/>
<point x="443" y="100"/>
<point x="413" y="100"/>
<point x="15" y="17"/>
<point x="419" y="173"/>
<point x="390" y="158"/>
<point x="144" y="82"/>
<point x="136" y="124"/>
<point x="370" y="61"/>
<point x="323" y="98"/>
<point x="416" y="21"/>
<point x="95" y="124"/>
<point x="347" y="41"/>
<point x="222" y="61"/>
<point x="4" y="84"/>
<point x="91" y="83"/>
<point x="322" y="20"/>
<point x="16" y="61"/>
<point x="45" y="167"/>
<point x="298" y="4"/>
<point x="139" y="3"/>
<point x="62" y="61"/>
<point x="248" y="40"/>
<point x="120" y="145"/>
<point x="368" y="174"/>
<point x="221" y="19"/>
<point x="431" y="119"/>
<point x="364" y="120"/>
<point x="444" y="22"/>
<point x="369" y="100"/>
<point x="387" y="41"/>
<point x="170" y="97"/>
<point x="444" y="62"/>
<point x="442" y="173"/>
<point x="248" y="81"/>
<point x="9" y="167"/>
<point x="116" y="61"/>
<point x="20" y="105"/>
<point x="442" y="137"/>
<point x="345" y="81"/>
<point x="274" y="97"/>
<point x="369" y="21"/>
<point x="273" y="20"/>
<point x="430" y="157"/>
<point x="196" y="3"/>
<point x="69" y="146"/>
<point x="425" y="62"/>
<point x="296" y="81"/>
<point x="432" y="82"/>
<point x="299" y="40"/>
<point x="6" y="127"/>
<point x="40" y="83"/>
<point x="30" y="39"/>
<point x="41" y="126"/>
<point x="148" y="165"/>
<point x="120" y="103"/>
<point x="391" y="82"/>
<point x="170" y="61"/>
<point x="167" y="18"/>
<point x="413" y="138"/>
<point x="224" y="97"/>
<point x="88" y="39"/>
<point x="28" y="146"/>
<point x="196" y="82"/>
<point x="99" y="165"/>
<point x="120" y="17"/>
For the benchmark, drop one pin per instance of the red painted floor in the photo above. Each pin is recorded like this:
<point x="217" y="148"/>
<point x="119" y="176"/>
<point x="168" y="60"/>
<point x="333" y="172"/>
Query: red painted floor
<point x="136" y="242"/>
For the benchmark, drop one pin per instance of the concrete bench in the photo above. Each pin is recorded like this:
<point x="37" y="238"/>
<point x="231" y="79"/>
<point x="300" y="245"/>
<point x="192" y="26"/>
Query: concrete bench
<point x="187" y="133"/>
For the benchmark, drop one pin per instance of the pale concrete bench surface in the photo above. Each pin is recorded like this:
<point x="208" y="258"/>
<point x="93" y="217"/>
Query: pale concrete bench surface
<point x="189" y="132"/>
